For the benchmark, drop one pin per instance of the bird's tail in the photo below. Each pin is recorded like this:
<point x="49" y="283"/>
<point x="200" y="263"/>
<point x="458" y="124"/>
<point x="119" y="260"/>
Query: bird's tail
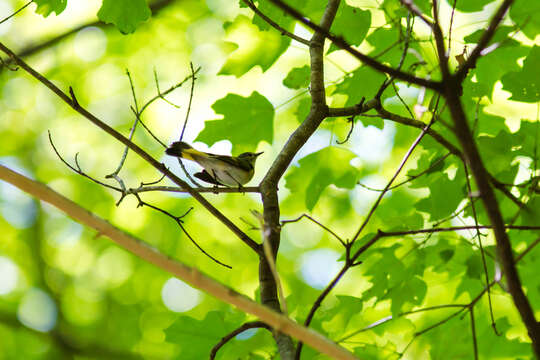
<point x="183" y="150"/>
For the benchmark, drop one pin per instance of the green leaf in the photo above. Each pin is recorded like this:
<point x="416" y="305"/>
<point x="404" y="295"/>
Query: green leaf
<point x="363" y="82"/>
<point x="302" y="111"/>
<point x="252" y="47"/>
<point x="246" y="121"/>
<point x="373" y="121"/>
<point x="496" y="151"/>
<point x="297" y="78"/>
<point x="337" y="319"/>
<point x="126" y="15"/>
<point x="197" y="337"/>
<point x="276" y="14"/>
<point x="525" y="14"/>
<point x="318" y="170"/>
<point x="469" y="5"/>
<point x="46" y="7"/>
<point x="445" y="195"/>
<point x="525" y="84"/>
<point x="474" y="267"/>
<point x="352" y="23"/>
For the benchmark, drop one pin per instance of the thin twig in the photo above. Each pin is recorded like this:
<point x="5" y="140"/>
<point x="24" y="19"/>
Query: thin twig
<point x="275" y="25"/>
<point x="483" y="256"/>
<point x="400" y="167"/>
<point x="409" y="4"/>
<point x="180" y="162"/>
<point x="284" y="222"/>
<point x="411" y="178"/>
<point x="115" y="173"/>
<point x="210" y="190"/>
<point x="473" y="332"/>
<point x="16" y="12"/>
<point x="234" y="333"/>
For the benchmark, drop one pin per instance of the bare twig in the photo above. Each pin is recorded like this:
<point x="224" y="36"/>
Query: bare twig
<point x="483" y="256"/>
<point x="180" y="162"/>
<point x="473" y="333"/>
<point x="210" y="190"/>
<point x="16" y="12"/>
<point x="411" y="178"/>
<point x="484" y="40"/>
<point x="234" y="333"/>
<point x="284" y="222"/>
<point x="400" y="167"/>
<point x="179" y="221"/>
<point x="275" y="25"/>
<point x="413" y="9"/>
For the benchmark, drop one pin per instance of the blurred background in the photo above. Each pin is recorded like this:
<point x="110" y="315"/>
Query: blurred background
<point x="65" y="292"/>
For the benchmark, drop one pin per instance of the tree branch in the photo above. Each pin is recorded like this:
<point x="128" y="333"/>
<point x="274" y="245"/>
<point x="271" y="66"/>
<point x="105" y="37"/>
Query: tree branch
<point x="268" y="186"/>
<point x="484" y="40"/>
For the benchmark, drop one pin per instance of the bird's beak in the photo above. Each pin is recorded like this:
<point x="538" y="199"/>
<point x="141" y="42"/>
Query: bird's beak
<point x="259" y="153"/>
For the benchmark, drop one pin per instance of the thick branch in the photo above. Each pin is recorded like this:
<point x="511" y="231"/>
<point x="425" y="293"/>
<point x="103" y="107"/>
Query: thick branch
<point x="135" y="148"/>
<point x="178" y="269"/>
<point x="487" y="195"/>
<point x="268" y="186"/>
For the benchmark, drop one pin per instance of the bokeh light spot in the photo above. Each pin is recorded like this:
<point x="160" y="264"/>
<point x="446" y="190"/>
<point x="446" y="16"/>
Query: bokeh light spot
<point x="8" y="275"/>
<point x="37" y="310"/>
<point x="320" y="266"/>
<point x="179" y="296"/>
<point x="90" y="43"/>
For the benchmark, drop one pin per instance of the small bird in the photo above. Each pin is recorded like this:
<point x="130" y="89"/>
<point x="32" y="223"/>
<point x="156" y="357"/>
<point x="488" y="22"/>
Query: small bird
<point x="218" y="169"/>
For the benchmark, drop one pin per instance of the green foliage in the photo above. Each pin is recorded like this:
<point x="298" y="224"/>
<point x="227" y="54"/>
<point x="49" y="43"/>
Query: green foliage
<point x="444" y="196"/>
<point x="523" y="13"/>
<point x="195" y="338"/>
<point x="401" y="300"/>
<point x="46" y="7"/>
<point x="246" y="121"/>
<point x="126" y="15"/>
<point x="318" y="170"/>
<point x="263" y="49"/>
<point x="352" y="23"/>
<point x="297" y="78"/>
<point x="525" y="84"/>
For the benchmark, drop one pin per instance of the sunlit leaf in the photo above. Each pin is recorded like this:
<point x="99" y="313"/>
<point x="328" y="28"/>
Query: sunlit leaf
<point x="46" y="7"/>
<point x="320" y="169"/>
<point x="126" y="15"/>
<point x="246" y="121"/>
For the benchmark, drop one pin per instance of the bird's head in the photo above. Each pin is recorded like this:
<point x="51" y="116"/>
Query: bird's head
<point x="250" y="156"/>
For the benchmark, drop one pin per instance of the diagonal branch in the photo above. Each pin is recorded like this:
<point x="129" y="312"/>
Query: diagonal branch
<point x="136" y="149"/>
<point x="275" y="25"/>
<point x="188" y="274"/>
<point x="342" y="44"/>
<point x="484" y="40"/>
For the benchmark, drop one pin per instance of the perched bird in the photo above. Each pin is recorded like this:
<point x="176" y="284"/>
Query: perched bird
<point x="218" y="169"/>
